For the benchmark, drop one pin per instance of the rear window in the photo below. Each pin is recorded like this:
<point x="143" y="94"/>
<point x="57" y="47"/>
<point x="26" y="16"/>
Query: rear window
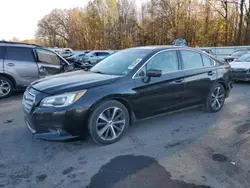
<point x="102" y="54"/>
<point x="191" y="59"/>
<point x="207" y="61"/>
<point x="20" y="54"/>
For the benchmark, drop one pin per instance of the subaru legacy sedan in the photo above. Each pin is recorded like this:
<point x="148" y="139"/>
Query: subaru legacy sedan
<point x="132" y="84"/>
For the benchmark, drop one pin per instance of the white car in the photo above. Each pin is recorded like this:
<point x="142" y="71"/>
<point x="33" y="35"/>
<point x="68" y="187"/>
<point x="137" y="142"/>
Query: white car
<point x="241" y="68"/>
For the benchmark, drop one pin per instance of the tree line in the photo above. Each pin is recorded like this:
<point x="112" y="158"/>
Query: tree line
<point x="118" y="24"/>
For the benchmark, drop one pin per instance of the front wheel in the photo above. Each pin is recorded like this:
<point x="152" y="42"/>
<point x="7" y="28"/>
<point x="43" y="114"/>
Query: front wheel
<point x="216" y="98"/>
<point x="108" y="122"/>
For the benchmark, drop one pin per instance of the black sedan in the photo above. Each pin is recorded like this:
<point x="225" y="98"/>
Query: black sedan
<point x="132" y="84"/>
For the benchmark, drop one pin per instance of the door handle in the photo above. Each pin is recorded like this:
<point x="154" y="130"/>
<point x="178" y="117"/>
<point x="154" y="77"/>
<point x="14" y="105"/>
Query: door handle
<point x="11" y="64"/>
<point x="210" y="73"/>
<point x="179" y="80"/>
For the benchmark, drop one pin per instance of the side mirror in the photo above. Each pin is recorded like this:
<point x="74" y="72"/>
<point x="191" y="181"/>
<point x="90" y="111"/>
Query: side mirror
<point x="154" y="73"/>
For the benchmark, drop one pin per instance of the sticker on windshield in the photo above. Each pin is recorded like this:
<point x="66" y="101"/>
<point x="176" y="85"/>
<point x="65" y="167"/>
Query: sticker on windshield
<point x="138" y="60"/>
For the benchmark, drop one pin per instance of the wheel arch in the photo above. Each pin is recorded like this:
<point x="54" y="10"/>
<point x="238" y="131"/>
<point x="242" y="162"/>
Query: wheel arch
<point x="222" y="83"/>
<point x="120" y="99"/>
<point x="10" y="78"/>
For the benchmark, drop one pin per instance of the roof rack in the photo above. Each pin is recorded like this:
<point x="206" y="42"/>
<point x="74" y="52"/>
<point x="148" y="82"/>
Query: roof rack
<point x="9" y="42"/>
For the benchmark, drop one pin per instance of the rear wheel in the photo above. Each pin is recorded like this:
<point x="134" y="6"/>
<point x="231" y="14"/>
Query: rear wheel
<point x="6" y="87"/>
<point x="216" y="98"/>
<point x="108" y="122"/>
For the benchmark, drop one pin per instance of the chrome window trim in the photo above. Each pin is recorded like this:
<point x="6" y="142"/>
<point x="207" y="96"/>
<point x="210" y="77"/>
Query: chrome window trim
<point x="134" y="76"/>
<point x="194" y="50"/>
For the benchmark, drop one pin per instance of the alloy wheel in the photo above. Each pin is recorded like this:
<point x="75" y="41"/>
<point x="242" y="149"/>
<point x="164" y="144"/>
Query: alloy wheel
<point x="217" y="98"/>
<point x="110" y="123"/>
<point x="5" y="88"/>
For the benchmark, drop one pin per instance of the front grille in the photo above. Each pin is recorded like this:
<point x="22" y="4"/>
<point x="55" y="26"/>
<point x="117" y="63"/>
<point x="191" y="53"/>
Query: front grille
<point x="28" y="101"/>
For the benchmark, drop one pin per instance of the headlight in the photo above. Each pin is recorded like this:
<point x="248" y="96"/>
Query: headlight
<point x="62" y="100"/>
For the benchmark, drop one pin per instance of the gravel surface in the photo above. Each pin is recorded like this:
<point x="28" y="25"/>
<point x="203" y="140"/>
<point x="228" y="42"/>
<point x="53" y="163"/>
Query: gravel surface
<point x="192" y="148"/>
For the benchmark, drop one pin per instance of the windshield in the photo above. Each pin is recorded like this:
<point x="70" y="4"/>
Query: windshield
<point x="122" y="62"/>
<point x="244" y="58"/>
<point x="240" y="53"/>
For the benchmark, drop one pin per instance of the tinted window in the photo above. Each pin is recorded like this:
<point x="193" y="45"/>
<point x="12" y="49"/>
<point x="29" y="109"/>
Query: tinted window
<point x="1" y="52"/>
<point x="20" y="54"/>
<point x="102" y="54"/>
<point x="165" y="61"/>
<point x="191" y="59"/>
<point x="47" y="56"/>
<point x="207" y="61"/>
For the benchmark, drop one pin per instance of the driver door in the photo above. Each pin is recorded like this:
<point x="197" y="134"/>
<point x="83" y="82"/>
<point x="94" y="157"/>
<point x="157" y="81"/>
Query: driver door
<point x="49" y="63"/>
<point x="159" y="94"/>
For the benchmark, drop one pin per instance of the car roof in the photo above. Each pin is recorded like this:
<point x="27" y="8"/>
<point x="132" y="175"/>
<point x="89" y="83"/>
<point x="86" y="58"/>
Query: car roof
<point x="18" y="44"/>
<point x="108" y="51"/>
<point x="164" y="47"/>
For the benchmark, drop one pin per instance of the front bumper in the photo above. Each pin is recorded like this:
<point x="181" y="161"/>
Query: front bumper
<point x="53" y="123"/>
<point x="241" y="76"/>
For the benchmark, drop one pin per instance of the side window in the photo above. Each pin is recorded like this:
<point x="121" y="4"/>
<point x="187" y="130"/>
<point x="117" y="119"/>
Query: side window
<point x="207" y="61"/>
<point x="191" y="59"/>
<point x="20" y="54"/>
<point x="165" y="61"/>
<point x="47" y="56"/>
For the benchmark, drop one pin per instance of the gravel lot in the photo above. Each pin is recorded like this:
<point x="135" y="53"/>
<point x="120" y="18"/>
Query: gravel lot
<point x="191" y="149"/>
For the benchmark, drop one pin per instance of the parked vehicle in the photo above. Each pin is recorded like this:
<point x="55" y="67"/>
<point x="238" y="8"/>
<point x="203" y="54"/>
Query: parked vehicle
<point x="21" y="64"/>
<point x="77" y="56"/>
<point x="241" y="68"/>
<point x="131" y="84"/>
<point x="180" y="42"/>
<point x="92" y="59"/>
<point x="64" y="52"/>
<point x="237" y="54"/>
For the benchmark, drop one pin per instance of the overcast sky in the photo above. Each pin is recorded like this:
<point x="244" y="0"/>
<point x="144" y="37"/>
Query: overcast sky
<point x="18" y="18"/>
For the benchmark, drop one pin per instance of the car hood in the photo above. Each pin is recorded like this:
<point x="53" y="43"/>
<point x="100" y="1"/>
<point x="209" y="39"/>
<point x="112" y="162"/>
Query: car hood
<point x="72" y="81"/>
<point x="231" y="57"/>
<point x="240" y="65"/>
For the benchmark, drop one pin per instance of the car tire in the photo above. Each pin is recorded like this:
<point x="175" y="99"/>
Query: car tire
<point x="216" y="98"/>
<point x="108" y="122"/>
<point x="5" y="84"/>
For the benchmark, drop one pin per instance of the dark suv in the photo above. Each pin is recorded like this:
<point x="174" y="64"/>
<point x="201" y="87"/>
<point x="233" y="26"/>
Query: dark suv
<point x="131" y="84"/>
<point x="21" y="64"/>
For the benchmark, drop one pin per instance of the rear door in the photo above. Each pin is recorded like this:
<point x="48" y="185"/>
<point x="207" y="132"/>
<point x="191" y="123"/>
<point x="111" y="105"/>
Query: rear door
<point x="2" y="51"/>
<point x="159" y="93"/>
<point x="49" y="63"/>
<point x="200" y="74"/>
<point x="20" y="63"/>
